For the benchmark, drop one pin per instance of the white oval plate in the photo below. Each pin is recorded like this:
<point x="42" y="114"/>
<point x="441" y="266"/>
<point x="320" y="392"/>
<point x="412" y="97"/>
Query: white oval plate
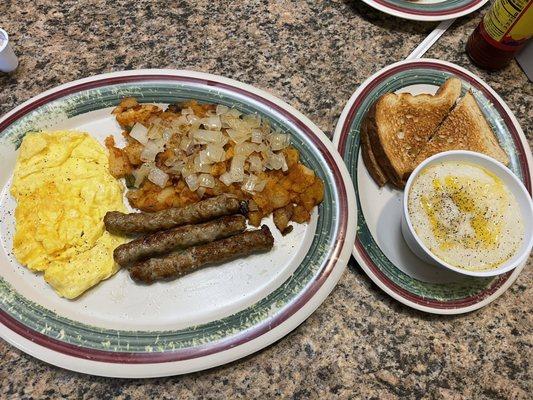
<point x="210" y="317"/>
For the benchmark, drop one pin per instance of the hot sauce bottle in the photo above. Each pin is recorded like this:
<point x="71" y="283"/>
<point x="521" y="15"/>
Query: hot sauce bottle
<point x="504" y="30"/>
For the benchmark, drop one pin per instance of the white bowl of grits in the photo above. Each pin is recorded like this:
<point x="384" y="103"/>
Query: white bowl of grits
<point x="467" y="212"/>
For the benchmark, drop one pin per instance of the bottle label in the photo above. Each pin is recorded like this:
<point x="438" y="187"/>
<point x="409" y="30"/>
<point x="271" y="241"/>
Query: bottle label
<point x="509" y="23"/>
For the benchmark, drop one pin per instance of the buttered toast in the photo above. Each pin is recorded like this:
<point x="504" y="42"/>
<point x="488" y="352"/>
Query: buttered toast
<point x="399" y="125"/>
<point x="402" y="130"/>
<point x="465" y="129"/>
<point x="369" y="157"/>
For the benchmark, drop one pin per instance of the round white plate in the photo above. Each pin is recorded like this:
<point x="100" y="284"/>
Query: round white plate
<point x="207" y="318"/>
<point x="426" y="10"/>
<point x="380" y="248"/>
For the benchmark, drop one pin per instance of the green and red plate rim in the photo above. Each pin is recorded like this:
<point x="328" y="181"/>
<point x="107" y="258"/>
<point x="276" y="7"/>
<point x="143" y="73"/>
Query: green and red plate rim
<point x="242" y="337"/>
<point x="467" y="303"/>
<point x="424" y="12"/>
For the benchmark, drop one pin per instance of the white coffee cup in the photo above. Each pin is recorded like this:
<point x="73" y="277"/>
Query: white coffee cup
<point x="8" y="59"/>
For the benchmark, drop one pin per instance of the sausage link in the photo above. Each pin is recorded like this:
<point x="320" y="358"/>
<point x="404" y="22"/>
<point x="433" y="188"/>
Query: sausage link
<point x="180" y="263"/>
<point x="181" y="237"/>
<point x="205" y="210"/>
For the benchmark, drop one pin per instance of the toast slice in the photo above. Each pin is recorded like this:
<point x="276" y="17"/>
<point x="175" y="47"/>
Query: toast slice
<point x="465" y="129"/>
<point x="399" y="125"/>
<point x="369" y="158"/>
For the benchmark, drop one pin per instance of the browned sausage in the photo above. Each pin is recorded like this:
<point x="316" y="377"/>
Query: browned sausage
<point x="180" y="263"/>
<point x="205" y="210"/>
<point x="181" y="237"/>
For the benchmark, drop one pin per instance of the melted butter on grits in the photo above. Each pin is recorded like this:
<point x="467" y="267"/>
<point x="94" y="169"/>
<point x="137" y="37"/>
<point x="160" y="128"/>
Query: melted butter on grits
<point x="465" y="215"/>
<point x="63" y="190"/>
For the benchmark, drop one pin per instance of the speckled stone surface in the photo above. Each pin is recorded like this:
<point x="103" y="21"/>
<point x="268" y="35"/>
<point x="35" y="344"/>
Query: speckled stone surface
<point x="360" y="343"/>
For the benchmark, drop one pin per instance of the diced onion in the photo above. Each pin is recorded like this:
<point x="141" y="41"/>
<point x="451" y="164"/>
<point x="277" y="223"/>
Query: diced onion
<point x="167" y="135"/>
<point x="186" y="144"/>
<point x="237" y="168"/>
<point x="140" y="173"/>
<point x="256" y="164"/>
<point x="204" y="158"/>
<point x="158" y="177"/>
<point x="192" y="119"/>
<point x="226" y="178"/>
<point x="257" y="136"/>
<point x="248" y="184"/>
<point x="169" y="162"/>
<point x="187" y="170"/>
<point x="264" y="150"/>
<point x="215" y="152"/>
<point x="201" y="167"/>
<point x="140" y="133"/>
<point x="252" y="184"/>
<point x="212" y="123"/>
<point x="221" y="109"/>
<point x="151" y="149"/>
<point x="252" y="120"/>
<point x="192" y="182"/>
<point x="233" y="113"/>
<point x="197" y="143"/>
<point x="206" y="180"/>
<point x="265" y="126"/>
<point x="278" y="141"/>
<point x="203" y="136"/>
<point x="245" y="148"/>
<point x="275" y="161"/>
<point x="226" y="120"/>
<point x="238" y="136"/>
<point x="155" y="131"/>
<point x="260" y="186"/>
<point x="180" y="121"/>
<point x="284" y="167"/>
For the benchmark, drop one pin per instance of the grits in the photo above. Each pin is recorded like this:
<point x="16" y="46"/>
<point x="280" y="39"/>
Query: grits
<point x="465" y="215"/>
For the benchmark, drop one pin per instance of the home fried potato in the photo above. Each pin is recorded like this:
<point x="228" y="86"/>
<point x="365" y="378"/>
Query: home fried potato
<point x="129" y="112"/>
<point x="289" y="190"/>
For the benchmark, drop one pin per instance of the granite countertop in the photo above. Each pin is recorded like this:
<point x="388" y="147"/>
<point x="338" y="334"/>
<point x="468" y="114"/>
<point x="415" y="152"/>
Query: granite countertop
<point x="360" y="343"/>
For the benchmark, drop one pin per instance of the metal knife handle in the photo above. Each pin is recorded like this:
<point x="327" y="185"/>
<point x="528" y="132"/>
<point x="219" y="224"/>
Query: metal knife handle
<point x="430" y="39"/>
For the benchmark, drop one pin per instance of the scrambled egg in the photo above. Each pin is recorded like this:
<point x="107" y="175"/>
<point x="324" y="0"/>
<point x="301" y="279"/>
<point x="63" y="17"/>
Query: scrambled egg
<point x="63" y="190"/>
